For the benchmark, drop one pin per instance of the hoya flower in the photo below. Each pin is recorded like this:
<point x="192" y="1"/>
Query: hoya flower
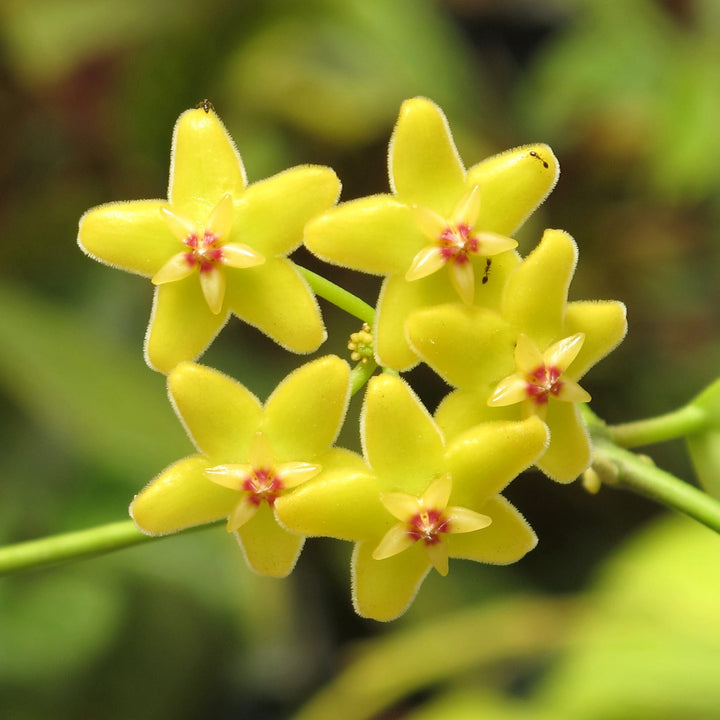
<point x="249" y="456"/>
<point x="420" y="500"/>
<point x="442" y="235"/>
<point x="525" y="359"/>
<point x="217" y="246"/>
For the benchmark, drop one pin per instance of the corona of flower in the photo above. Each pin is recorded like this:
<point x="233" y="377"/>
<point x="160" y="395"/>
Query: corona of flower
<point x="250" y="455"/>
<point x="420" y="500"/>
<point x="443" y="233"/>
<point x="217" y="246"/>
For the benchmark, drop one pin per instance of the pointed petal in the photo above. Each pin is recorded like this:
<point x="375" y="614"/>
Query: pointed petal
<point x="295" y="473"/>
<point x="504" y="541"/>
<point x="221" y="218"/>
<point x="176" y="268"/>
<point x="221" y="415"/>
<point x="571" y="392"/>
<point x="241" y="514"/>
<point x="400" y="440"/>
<point x="438" y="554"/>
<point x="395" y="540"/>
<point x="181" y="324"/>
<point x="462" y="277"/>
<point x="562" y="353"/>
<point x="424" y="165"/>
<point x="528" y="357"/>
<point x="604" y="325"/>
<point x="536" y="293"/>
<point x="376" y="234"/>
<point x="180" y="497"/>
<point x="464" y="520"/>
<point x="430" y="223"/>
<point x="494" y="244"/>
<point x="467" y="346"/>
<point x="483" y="460"/>
<point x="339" y="504"/>
<point x="180" y="226"/>
<point x="231" y="475"/>
<point x="212" y="282"/>
<point x="303" y="415"/>
<point x="205" y="165"/>
<point x="272" y="214"/>
<point x="400" y="505"/>
<point x="269" y="549"/>
<point x="241" y="256"/>
<point x="513" y="184"/>
<point x="437" y="495"/>
<point x="463" y="409"/>
<point x="426" y="262"/>
<point x="130" y="235"/>
<point x="274" y="298"/>
<point x="468" y="208"/>
<point x="568" y="454"/>
<point x="509" y="391"/>
<point x="383" y="589"/>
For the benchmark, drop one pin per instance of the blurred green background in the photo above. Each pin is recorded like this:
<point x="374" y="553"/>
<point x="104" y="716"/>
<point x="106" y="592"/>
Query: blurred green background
<point x="614" y="615"/>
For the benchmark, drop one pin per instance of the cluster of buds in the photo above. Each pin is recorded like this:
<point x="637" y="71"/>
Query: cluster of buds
<point x="456" y="295"/>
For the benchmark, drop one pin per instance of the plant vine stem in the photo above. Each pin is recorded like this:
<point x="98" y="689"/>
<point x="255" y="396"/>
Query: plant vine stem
<point x="623" y="469"/>
<point x="77" y="545"/>
<point x="338" y="296"/>
<point x="676" y="424"/>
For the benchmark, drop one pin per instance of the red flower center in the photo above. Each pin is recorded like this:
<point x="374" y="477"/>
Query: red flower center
<point x="263" y="485"/>
<point x="427" y="525"/>
<point x="543" y="382"/>
<point x="457" y="244"/>
<point x="205" y="253"/>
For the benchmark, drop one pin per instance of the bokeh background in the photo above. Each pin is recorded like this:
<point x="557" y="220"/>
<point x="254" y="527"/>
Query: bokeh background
<point x="616" y="614"/>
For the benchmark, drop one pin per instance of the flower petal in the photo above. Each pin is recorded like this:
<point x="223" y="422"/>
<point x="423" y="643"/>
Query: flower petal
<point x="180" y="497"/>
<point x="241" y="514"/>
<point x="536" y="293"/>
<point x="221" y="218"/>
<point x="430" y="223"/>
<point x="383" y="589"/>
<point x="462" y="278"/>
<point x="467" y="210"/>
<point x="463" y="409"/>
<point x="376" y="234"/>
<point x="504" y="541"/>
<point x="395" y="540"/>
<point x="400" y="440"/>
<point x="484" y="459"/>
<point x="437" y="495"/>
<point x="424" y="165"/>
<point x="438" y="555"/>
<point x="176" y="268"/>
<point x="221" y="415"/>
<point x="527" y="356"/>
<point x="464" y="520"/>
<point x="568" y="454"/>
<point x="571" y="392"/>
<point x="428" y="261"/>
<point x="562" y="353"/>
<point x="241" y="256"/>
<point x="230" y="475"/>
<point x="269" y="549"/>
<point x="205" y="165"/>
<point x="272" y="213"/>
<point x="467" y="346"/>
<point x="212" y="283"/>
<point x="275" y="299"/>
<point x="293" y="474"/>
<point x="303" y="415"/>
<point x="400" y="505"/>
<point x="129" y="235"/>
<point x="181" y="324"/>
<point x="509" y="391"/>
<point x="494" y="244"/>
<point x="181" y="227"/>
<point x="513" y="184"/>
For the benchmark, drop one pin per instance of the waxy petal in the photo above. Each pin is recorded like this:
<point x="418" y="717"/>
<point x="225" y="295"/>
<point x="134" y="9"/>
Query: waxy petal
<point x="230" y="476"/>
<point x="129" y="235"/>
<point x="430" y="223"/>
<point x="401" y="442"/>
<point x="424" y="165"/>
<point x="176" y="268"/>
<point x="467" y="210"/>
<point x="293" y="474"/>
<point x="571" y="392"/>
<point x="536" y="293"/>
<point x="569" y="452"/>
<point x="513" y="184"/>
<point x="304" y="414"/>
<point x="241" y="514"/>
<point x="395" y="540"/>
<point x="180" y="497"/>
<point x="528" y="357"/>
<point x="181" y="324"/>
<point x="464" y="520"/>
<point x="509" y="391"/>
<point x="400" y="505"/>
<point x="465" y="408"/>
<point x="221" y="415"/>
<point x="274" y="298"/>
<point x="269" y="549"/>
<point x="376" y="234"/>
<point x="562" y="353"/>
<point x="221" y="218"/>
<point x="462" y="277"/>
<point x="428" y="261"/>
<point x="383" y="589"/>
<point x="493" y="244"/>
<point x="438" y="555"/>
<point x="272" y="213"/>
<point x="241" y="256"/>
<point x="437" y="496"/>
<point x="212" y="284"/>
<point x="205" y="165"/>
<point x="504" y="541"/>
<point x="181" y="227"/>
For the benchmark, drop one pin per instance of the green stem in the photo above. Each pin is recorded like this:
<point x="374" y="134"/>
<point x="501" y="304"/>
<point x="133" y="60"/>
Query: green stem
<point x="623" y="469"/>
<point x="72" y="546"/>
<point x="677" y="424"/>
<point x="360" y="374"/>
<point x="338" y="296"/>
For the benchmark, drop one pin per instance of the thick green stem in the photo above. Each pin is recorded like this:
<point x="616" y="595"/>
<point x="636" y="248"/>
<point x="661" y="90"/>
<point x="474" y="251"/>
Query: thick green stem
<point x="677" y="424"/>
<point x="623" y="469"/>
<point x="72" y="546"/>
<point x="338" y="296"/>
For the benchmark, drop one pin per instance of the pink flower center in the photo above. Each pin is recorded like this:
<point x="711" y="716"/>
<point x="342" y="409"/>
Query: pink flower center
<point x="543" y="382"/>
<point x="262" y="485"/>
<point x="427" y="525"/>
<point x="205" y="253"/>
<point x="457" y="244"/>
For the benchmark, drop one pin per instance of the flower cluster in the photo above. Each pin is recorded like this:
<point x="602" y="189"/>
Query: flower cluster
<point x="456" y="295"/>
